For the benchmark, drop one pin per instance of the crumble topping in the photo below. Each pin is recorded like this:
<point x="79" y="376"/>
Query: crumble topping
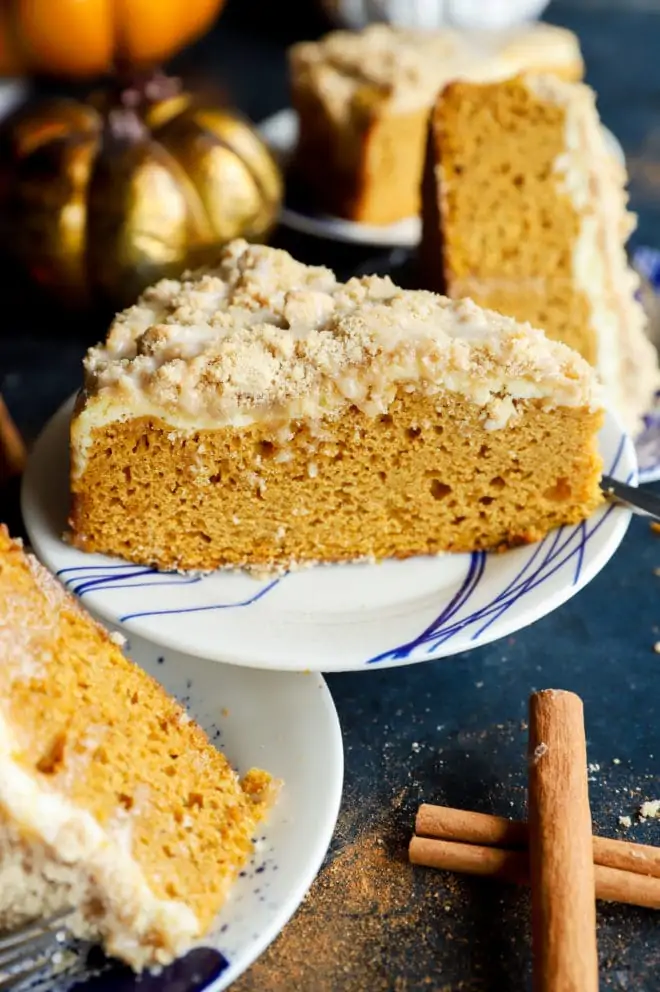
<point x="262" y="336"/>
<point x="650" y="810"/>
<point x="409" y="67"/>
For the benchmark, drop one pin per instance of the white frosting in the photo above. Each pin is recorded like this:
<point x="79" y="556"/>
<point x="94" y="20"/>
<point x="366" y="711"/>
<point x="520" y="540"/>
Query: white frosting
<point x="132" y="913"/>
<point x="406" y="68"/>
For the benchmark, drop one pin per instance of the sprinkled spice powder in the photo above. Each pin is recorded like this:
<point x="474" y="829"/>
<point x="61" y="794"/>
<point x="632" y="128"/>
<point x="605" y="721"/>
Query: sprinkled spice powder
<point x="366" y="901"/>
<point x="362" y="900"/>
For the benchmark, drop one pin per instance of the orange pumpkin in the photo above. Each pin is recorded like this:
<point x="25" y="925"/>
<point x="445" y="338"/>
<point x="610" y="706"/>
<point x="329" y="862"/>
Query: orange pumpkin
<point x="89" y="37"/>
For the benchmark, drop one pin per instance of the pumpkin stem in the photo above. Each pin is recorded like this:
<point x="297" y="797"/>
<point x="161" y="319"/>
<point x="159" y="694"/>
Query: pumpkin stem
<point x="125" y="105"/>
<point x="137" y="89"/>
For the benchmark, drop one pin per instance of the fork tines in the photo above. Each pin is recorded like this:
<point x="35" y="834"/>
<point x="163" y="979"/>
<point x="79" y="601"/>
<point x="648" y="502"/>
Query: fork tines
<point x="30" y="949"/>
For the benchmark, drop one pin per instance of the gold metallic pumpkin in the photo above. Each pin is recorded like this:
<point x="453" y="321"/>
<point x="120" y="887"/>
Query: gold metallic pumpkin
<point x="102" y="198"/>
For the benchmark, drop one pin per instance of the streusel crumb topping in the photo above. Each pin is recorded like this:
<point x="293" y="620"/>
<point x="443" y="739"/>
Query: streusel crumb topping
<point x="262" y="336"/>
<point x="409" y="67"/>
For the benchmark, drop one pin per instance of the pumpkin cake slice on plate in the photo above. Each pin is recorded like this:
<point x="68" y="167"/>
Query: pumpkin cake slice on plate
<point x="264" y="415"/>
<point x="524" y="210"/>
<point x="112" y="801"/>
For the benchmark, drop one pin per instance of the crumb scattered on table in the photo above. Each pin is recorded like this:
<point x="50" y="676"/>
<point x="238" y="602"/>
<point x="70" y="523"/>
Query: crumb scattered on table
<point x="650" y="810"/>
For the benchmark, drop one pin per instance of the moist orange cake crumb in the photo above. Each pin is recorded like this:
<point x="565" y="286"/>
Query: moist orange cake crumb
<point x="363" y="100"/>
<point x="265" y="415"/>
<point x="524" y="210"/>
<point x="112" y="800"/>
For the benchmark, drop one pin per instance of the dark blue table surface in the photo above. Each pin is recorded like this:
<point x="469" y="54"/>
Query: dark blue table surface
<point x="451" y="731"/>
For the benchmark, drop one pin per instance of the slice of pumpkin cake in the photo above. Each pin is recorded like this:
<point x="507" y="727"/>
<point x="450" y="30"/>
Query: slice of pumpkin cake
<point x="524" y="210"/>
<point x="263" y="414"/>
<point x="112" y="801"/>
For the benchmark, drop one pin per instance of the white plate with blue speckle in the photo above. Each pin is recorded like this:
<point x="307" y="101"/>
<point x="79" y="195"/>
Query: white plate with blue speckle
<point x="332" y="617"/>
<point x="287" y="724"/>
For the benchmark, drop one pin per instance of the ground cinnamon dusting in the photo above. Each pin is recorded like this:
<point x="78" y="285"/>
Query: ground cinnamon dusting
<point x="363" y="902"/>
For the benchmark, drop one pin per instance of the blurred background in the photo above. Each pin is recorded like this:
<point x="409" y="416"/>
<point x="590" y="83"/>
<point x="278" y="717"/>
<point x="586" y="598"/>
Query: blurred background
<point x="234" y="53"/>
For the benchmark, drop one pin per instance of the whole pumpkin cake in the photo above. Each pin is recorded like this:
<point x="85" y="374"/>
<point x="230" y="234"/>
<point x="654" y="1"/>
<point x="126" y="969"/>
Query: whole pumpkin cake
<point x="113" y="803"/>
<point x="263" y="414"/>
<point x="524" y="210"/>
<point x="363" y="101"/>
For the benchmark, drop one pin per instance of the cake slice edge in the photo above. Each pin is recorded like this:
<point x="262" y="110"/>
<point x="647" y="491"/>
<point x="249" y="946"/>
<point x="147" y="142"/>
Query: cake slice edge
<point x="54" y="853"/>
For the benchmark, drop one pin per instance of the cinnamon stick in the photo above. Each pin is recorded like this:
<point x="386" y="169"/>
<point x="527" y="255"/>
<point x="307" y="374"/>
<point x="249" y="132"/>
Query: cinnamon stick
<point x="470" y="859"/>
<point x="12" y="448"/>
<point x="509" y="865"/>
<point x="446" y="823"/>
<point x="561" y="847"/>
<point x="473" y="828"/>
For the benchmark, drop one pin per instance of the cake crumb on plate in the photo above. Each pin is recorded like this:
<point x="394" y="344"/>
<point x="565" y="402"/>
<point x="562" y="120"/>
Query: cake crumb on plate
<point x="650" y="810"/>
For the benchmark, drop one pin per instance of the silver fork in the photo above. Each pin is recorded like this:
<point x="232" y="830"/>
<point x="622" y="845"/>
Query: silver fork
<point x="29" y="956"/>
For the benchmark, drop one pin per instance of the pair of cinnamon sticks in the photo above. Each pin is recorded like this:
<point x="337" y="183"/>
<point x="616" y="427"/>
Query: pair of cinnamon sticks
<point x="568" y="867"/>
<point x="494" y="847"/>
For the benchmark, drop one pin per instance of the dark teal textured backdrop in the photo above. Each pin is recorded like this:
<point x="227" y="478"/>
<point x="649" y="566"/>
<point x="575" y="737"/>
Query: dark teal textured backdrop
<point x="453" y="730"/>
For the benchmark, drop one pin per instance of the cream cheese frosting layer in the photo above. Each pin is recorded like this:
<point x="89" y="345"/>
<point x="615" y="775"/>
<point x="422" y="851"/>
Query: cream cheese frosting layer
<point x="264" y="338"/>
<point x="407" y="67"/>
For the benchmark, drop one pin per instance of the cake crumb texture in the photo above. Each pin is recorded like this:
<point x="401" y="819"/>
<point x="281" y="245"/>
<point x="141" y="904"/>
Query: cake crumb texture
<point x="426" y="477"/>
<point x="111" y="799"/>
<point x="525" y="212"/>
<point x="265" y="415"/>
